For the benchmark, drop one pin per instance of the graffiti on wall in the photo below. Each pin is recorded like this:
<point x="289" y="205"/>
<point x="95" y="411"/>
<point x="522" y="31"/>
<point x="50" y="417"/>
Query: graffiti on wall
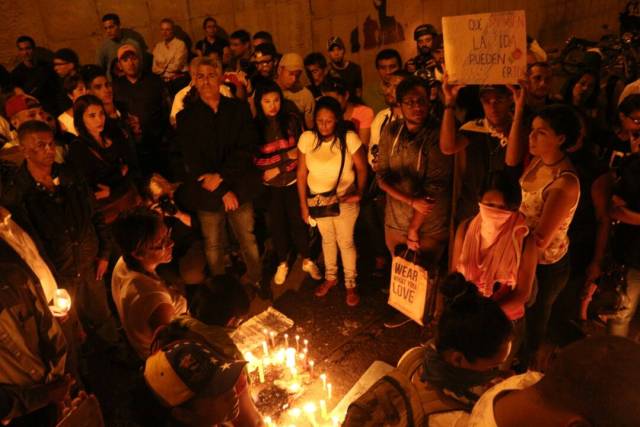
<point x="378" y="30"/>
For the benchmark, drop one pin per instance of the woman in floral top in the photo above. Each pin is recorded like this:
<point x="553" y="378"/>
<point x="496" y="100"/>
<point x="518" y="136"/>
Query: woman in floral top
<point x="550" y="195"/>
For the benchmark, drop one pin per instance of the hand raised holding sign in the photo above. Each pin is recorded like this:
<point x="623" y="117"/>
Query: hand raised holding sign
<point x="449" y="90"/>
<point x="519" y="94"/>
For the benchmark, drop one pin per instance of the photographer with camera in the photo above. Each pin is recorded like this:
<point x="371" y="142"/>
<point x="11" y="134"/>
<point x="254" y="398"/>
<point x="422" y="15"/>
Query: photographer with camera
<point x="189" y="263"/>
<point x="424" y="63"/>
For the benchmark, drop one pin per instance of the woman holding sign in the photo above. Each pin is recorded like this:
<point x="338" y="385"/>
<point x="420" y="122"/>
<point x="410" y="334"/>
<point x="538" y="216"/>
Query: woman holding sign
<point x="550" y="195"/>
<point x="332" y="174"/>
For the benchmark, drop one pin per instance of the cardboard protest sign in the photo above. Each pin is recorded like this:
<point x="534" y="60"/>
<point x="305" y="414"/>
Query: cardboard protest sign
<point x="485" y="48"/>
<point x="408" y="288"/>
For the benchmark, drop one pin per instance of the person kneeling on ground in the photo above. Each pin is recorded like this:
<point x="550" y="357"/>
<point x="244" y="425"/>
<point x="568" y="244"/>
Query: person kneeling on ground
<point x="144" y="300"/>
<point x="443" y="379"/>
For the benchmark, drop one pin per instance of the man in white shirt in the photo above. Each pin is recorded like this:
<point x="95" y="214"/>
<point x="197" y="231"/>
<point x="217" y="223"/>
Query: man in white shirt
<point x="171" y="54"/>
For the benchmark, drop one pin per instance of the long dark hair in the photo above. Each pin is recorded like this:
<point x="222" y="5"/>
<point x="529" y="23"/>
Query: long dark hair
<point x="287" y="122"/>
<point x="79" y="107"/>
<point x="590" y="102"/>
<point x="564" y="120"/>
<point x="339" y="86"/>
<point x="470" y="323"/>
<point x="133" y="230"/>
<point x="340" y="131"/>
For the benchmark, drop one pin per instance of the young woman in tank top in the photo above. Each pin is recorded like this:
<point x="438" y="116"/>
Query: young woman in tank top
<point x="550" y="194"/>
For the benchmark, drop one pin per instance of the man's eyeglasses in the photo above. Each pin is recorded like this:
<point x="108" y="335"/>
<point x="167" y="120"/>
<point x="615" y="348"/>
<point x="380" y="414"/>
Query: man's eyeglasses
<point x="636" y="121"/>
<point x="263" y="62"/>
<point x="412" y="103"/>
<point x="164" y="243"/>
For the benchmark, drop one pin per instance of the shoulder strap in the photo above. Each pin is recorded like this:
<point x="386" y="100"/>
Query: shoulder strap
<point x="407" y="402"/>
<point x="343" y="149"/>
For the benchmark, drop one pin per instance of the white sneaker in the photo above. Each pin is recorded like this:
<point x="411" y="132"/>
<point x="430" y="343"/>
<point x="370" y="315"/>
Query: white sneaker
<point x="311" y="268"/>
<point x="281" y="274"/>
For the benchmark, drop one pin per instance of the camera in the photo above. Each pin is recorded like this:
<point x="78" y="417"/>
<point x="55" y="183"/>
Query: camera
<point x="167" y="205"/>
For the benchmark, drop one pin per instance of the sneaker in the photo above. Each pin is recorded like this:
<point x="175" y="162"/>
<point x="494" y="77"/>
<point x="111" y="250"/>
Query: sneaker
<point x="311" y="268"/>
<point x="325" y="287"/>
<point x="281" y="274"/>
<point x="353" y="298"/>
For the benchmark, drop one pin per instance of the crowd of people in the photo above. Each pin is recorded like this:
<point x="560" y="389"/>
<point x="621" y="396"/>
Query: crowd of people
<point x="191" y="178"/>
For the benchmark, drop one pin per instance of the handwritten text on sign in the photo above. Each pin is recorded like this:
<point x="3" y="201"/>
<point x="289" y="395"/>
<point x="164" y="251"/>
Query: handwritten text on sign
<point x="486" y="48"/>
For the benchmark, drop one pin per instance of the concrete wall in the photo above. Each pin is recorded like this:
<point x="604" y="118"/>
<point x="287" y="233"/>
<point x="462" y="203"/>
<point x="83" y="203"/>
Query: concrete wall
<point x="297" y="25"/>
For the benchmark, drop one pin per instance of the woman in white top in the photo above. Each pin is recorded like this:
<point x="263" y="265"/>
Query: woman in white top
<point x="550" y="195"/>
<point x="143" y="300"/>
<point x="74" y="88"/>
<point x="330" y="158"/>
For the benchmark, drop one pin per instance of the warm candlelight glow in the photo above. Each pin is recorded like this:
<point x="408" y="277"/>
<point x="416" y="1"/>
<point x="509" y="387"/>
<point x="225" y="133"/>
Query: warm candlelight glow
<point x="286" y="340"/>
<point x="323" y="410"/>
<point x="265" y="348"/>
<point x="61" y="303"/>
<point x="323" y="377"/>
<point x="329" y="389"/>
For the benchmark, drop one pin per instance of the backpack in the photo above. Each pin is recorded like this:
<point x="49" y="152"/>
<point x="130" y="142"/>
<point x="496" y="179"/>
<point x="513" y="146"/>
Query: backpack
<point x="399" y="399"/>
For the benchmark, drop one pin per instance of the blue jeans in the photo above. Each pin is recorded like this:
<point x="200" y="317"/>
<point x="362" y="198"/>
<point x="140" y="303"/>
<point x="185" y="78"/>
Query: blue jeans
<point x="213" y="229"/>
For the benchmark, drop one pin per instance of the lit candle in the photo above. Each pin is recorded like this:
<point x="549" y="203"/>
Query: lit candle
<point x="286" y="340"/>
<point x="294" y="387"/>
<point x="323" y="410"/>
<point x="329" y="388"/>
<point x="268" y="421"/>
<point x="265" y="348"/>
<point x="261" y="371"/>
<point x="61" y="303"/>
<point x="311" y="365"/>
<point x="297" y="342"/>
<point x="294" y="373"/>
<point x="295" y="413"/>
<point x="323" y="377"/>
<point x="290" y="355"/>
<point x="306" y="345"/>
<point x="310" y="409"/>
<point x="335" y="421"/>
<point x="272" y="337"/>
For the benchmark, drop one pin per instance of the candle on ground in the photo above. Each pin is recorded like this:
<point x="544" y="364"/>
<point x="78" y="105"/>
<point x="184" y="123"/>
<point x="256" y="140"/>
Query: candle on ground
<point x="261" y="371"/>
<point x="286" y="340"/>
<point x="297" y="342"/>
<point x="306" y="345"/>
<point x="265" y="348"/>
<point x="311" y="365"/>
<point x="329" y="388"/>
<point x="323" y="410"/>
<point x="323" y="377"/>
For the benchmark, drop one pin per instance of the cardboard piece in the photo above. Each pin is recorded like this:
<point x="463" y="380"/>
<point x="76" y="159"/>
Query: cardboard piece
<point x="250" y="334"/>
<point x="485" y="48"/>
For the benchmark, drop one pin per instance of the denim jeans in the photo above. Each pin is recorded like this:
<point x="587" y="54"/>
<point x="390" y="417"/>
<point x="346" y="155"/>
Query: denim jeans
<point x="213" y="229"/>
<point x="619" y="325"/>
<point x="552" y="278"/>
<point x="337" y="232"/>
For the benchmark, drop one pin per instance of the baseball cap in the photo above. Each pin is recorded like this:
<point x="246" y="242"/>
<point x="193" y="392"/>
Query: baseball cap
<point x="179" y="371"/>
<point x="18" y="103"/>
<point x="499" y="89"/>
<point x="335" y="41"/>
<point x="423" y="29"/>
<point x="292" y="62"/>
<point x="126" y="48"/>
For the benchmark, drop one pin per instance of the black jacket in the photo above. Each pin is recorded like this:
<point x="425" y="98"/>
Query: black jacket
<point x="72" y="233"/>
<point x="223" y="143"/>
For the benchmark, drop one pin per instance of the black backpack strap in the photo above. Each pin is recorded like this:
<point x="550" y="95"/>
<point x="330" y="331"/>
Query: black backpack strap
<point x="405" y="398"/>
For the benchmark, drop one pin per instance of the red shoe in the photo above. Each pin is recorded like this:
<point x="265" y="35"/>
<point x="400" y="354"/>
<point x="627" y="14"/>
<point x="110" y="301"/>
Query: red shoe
<point x="353" y="299"/>
<point x="325" y="287"/>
